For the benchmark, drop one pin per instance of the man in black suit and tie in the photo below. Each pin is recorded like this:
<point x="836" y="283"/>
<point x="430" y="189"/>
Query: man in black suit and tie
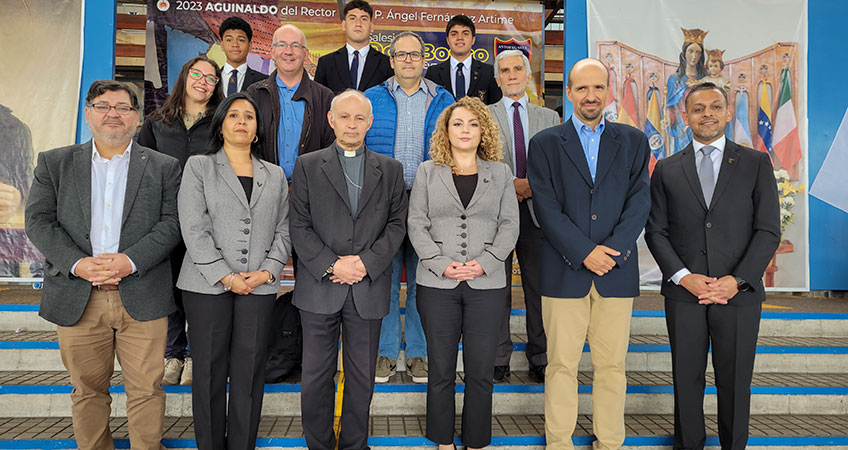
<point x="462" y="74"/>
<point x="104" y="214"/>
<point x="236" y="36"/>
<point x="347" y="219"/>
<point x="713" y="228"/>
<point x="357" y="65"/>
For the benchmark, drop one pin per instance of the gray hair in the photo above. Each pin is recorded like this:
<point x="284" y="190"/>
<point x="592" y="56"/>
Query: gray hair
<point x="403" y="35"/>
<point x="510" y="54"/>
<point x="348" y="93"/>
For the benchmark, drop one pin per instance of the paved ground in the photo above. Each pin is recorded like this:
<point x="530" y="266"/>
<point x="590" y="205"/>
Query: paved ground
<point x="12" y="294"/>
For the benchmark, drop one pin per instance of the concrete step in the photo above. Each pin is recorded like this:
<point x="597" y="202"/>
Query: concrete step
<point x="31" y="350"/>
<point x="46" y="394"/>
<point x="524" y="432"/>
<point x="25" y="318"/>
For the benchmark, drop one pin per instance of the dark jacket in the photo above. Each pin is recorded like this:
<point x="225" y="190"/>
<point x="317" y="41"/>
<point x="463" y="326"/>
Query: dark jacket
<point x="174" y="140"/>
<point x="334" y="70"/>
<point x="316" y="132"/>
<point x="482" y="85"/>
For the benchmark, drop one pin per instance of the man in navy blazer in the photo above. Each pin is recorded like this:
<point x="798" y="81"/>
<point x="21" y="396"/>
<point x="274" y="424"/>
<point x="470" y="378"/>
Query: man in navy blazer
<point x="357" y="65"/>
<point x="590" y="184"/>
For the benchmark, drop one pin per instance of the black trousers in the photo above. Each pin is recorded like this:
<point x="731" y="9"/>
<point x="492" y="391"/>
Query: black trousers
<point x="472" y="315"/>
<point x="529" y="241"/>
<point x="732" y="332"/>
<point x="360" y="341"/>
<point x="176" y="346"/>
<point x="229" y="333"/>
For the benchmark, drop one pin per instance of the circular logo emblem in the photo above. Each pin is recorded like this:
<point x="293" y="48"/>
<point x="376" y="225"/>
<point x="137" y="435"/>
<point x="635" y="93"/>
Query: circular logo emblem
<point x="163" y="5"/>
<point x="655" y="141"/>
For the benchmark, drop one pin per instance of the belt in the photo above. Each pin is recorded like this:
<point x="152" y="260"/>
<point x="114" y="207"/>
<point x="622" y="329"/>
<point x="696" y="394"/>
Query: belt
<point x="107" y="287"/>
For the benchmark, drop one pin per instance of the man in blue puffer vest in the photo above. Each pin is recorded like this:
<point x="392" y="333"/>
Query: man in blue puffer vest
<point x="406" y="107"/>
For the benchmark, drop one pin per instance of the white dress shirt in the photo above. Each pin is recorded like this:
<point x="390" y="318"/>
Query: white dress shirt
<point x="466" y="71"/>
<point x="715" y="156"/>
<point x="525" y="123"/>
<point x="225" y="76"/>
<point x="363" y="53"/>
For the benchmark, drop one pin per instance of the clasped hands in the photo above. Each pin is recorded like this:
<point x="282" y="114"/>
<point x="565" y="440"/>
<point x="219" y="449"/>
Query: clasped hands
<point x="104" y="269"/>
<point x="463" y="271"/>
<point x="710" y="290"/>
<point x="348" y="269"/>
<point x="243" y="283"/>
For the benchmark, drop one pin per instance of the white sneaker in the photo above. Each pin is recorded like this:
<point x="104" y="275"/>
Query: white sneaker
<point x="386" y="368"/>
<point x="173" y="369"/>
<point x="185" y="378"/>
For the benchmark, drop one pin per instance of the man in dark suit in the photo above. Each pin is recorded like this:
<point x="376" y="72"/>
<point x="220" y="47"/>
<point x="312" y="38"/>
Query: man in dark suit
<point x="104" y="214"/>
<point x="714" y="227"/>
<point x="462" y="74"/>
<point x="357" y="65"/>
<point x="348" y="219"/>
<point x="236" y="36"/>
<point x="591" y="196"/>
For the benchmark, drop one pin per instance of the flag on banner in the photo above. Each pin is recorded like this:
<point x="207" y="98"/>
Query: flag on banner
<point x="741" y="132"/>
<point x="652" y="127"/>
<point x="627" y="112"/>
<point x="611" y="108"/>
<point x="764" y="120"/>
<point x="787" y="145"/>
<point x="829" y="184"/>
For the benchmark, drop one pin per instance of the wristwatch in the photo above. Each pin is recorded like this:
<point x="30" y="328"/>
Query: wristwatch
<point x="741" y="284"/>
<point x="271" y="278"/>
<point x="330" y="269"/>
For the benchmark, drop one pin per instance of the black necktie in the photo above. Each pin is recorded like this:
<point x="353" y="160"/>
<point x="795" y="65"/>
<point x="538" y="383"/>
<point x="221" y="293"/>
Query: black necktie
<point x="232" y="85"/>
<point x="460" y="82"/>
<point x="354" y="69"/>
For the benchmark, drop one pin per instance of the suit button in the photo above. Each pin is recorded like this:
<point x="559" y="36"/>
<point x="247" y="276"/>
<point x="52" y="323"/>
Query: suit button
<point x="463" y="245"/>
<point x="86" y="236"/>
<point x="709" y="225"/>
<point x="245" y="231"/>
<point x="463" y="235"/>
<point x="243" y="260"/>
<point x="591" y="192"/>
<point x="463" y="253"/>
<point x="594" y="217"/>
<point x="247" y="221"/>
<point x="463" y="226"/>
<point x="244" y="251"/>
<point x="703" y="252"/>
<point x="462" y="217"/>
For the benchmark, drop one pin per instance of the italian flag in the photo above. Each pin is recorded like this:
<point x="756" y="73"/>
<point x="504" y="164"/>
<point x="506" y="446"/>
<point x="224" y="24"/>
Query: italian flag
<point x="787" y="145"/>
<point x="627" y="111"/>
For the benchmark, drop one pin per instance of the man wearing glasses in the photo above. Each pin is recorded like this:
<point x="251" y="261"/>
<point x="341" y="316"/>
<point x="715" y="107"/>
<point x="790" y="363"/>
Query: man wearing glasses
<point x="406" y="107"/>
<point x="292" y="108"/>
<point x="104" y="214"/>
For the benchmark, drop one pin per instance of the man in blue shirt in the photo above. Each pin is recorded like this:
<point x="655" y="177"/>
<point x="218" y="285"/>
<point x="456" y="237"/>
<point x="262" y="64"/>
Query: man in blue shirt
<point x="591" y="195"/>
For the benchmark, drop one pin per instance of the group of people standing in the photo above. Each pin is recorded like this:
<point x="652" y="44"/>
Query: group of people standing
<point x="366" y="172"/>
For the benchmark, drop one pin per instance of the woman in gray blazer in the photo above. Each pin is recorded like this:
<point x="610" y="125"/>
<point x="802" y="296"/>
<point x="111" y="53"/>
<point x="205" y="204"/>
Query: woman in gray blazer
<point x="463" y="223"/>
<point x="234" y="218"/>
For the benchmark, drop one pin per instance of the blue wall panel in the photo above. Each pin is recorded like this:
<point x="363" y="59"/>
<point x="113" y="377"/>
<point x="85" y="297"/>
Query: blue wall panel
<point x="98" y="60"/>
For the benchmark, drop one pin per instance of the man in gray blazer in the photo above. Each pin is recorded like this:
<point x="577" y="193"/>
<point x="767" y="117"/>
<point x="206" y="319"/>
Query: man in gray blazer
<point x="348" y="219"/>
<point x="104" y="214"/>
<point x="519" y="120"/>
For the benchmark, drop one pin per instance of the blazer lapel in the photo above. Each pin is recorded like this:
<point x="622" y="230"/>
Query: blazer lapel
<point x="138" y="162"/>
<point x="226" y="172"/>
<point x="484" y="179"/>
<point x="343" y="67"/>
<point x="534" y="119"/>
<point x="501" y="119"/>
<point x="444" y="173"/>
<point x="82" y="170"/>
<point x="607" y="151"/>
<point x="691" y="173"/>
<point x="370" y="68"/>
<point x="444" y="74"/>
<point x="475" y="78"/>
<point x="372" y="177"/>
<point x="572" y="147"/>
<point x="333" y="170"/>
<point x="729" y="161"/>
<point x="260" y="174"/>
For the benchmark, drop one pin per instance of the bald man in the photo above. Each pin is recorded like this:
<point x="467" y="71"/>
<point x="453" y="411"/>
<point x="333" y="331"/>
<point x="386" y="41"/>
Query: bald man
<point x="591" y="196"/>
<point x="347" y="219"/>
<point x="292" y="107"/>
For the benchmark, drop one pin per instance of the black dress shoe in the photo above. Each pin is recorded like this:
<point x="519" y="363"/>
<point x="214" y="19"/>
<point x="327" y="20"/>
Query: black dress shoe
<point x="501" y="372"/>
<point x="537" y="373"/>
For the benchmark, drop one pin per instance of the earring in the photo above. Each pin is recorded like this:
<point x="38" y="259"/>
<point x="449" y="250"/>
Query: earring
<point x="255" y="139"/>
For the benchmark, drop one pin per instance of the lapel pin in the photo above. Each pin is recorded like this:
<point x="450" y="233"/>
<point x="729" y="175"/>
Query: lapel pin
<point x="485" y="180"/>
<point x="143" y="156"/>
<point x="730" y="160"/>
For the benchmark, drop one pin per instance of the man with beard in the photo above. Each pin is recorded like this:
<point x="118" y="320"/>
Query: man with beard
<point x="591" y="195"/>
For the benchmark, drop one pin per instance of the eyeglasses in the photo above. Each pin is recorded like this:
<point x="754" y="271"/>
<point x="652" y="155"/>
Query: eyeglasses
<point x="283" y="45"/>
<point x="104" y="108"/>
<point x="415" y="56"/>
<point x="211" y="80"/>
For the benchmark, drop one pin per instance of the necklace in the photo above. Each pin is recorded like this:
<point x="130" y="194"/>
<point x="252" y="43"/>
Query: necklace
<point x="350" y="181"/>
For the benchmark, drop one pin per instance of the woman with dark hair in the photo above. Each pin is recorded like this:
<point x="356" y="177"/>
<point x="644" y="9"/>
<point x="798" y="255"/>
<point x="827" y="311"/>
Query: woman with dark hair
<point x="180" y="129"/>
<point x="690" y="70"/>
<point x="234" y="218"/>
<point x="463" y="223"/>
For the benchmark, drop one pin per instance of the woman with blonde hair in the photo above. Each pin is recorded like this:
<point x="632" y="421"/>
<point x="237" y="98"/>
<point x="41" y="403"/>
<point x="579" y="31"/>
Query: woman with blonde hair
<point x="463" y="223"/>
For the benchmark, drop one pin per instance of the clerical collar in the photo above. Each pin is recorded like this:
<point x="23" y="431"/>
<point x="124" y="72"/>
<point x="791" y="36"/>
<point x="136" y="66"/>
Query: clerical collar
<point x="349" y="153"/>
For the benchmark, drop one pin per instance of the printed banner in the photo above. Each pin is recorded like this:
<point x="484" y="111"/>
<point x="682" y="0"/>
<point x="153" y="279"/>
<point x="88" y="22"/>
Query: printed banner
<point x="39" y="97"/>
<point x="756" y="52"/>
<point x="181" y="30"/>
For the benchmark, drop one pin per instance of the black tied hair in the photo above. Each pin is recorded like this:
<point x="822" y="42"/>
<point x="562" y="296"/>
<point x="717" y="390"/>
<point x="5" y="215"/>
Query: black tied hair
<point x="216" y="138"/>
